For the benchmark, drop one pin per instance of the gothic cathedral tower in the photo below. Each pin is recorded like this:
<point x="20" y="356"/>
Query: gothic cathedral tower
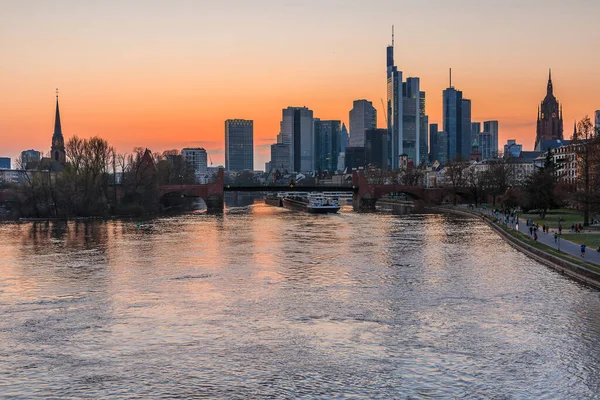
<point x="550" y="119"/>
<point x="58" y="142"/>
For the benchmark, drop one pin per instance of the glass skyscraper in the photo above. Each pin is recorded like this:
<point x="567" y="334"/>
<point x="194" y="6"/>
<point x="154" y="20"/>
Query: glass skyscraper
<point x="327" y="144"/>
<point x="297" y="131"/>
<point x="363" y="116"/>
<point x="239" y="144"/>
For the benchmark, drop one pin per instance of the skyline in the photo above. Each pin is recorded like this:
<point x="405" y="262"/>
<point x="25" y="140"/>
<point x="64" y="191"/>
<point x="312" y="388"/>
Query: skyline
<point x="135" y="85"/>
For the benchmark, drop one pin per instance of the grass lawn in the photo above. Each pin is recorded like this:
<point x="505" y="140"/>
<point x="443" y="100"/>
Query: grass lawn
<point x="591" y="240"/>
<point x="569" y="217"/>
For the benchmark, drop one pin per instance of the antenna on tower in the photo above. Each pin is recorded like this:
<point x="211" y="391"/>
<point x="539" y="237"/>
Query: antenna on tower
<point x="57" y="93"/>
<point x="392" y="35"/>
<point x="450" y="77"/>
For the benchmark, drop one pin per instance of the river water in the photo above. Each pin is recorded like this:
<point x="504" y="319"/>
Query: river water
<point x="266" y="303"/>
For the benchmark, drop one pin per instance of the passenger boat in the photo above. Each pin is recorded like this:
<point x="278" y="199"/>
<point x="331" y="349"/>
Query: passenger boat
<point x="314" y="203"/>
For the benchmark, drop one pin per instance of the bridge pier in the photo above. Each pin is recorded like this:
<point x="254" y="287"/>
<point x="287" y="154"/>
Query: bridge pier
<point x="363" y="203"/>
<point x="214" y="204"/>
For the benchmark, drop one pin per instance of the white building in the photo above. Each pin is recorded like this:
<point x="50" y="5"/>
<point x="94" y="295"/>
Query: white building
<point x="197" y="158"/>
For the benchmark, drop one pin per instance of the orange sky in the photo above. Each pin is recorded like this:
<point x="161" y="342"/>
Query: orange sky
<point x="168" y="74"/>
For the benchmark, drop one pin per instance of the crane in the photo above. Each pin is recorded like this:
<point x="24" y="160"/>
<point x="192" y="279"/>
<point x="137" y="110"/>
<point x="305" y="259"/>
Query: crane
<point x="384" y="112"/>
<point x="210" y="159"/>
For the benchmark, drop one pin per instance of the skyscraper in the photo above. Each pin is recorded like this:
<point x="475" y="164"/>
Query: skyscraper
<point x="475" y="130"/>
<point x="466" y="134"/>
<point x="491" y="127"/>
<point x="484" y="140"/>
<point x="376" y="148"/>
<point x="197" y="157"/>
<point x="280" y="157"/>
<point x="424" y="125"/>
<point x="239" y="144"/>
<point x="452" y="114"/>
<point x="327" y="144"/>
<point x="597" y="124"/>
<point x="549" y="119"/>
<point x="433" y="147"/>
<point x="57" y="150"/>
<point x="343" y="138"/>
<point x="442" y="147"/>
<point x="363" y="116"/>
<point x="411" y="119"/>
<point x="297" y="131"/>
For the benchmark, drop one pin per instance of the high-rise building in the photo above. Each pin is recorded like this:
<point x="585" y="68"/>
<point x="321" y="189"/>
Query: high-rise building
<point x="597" y="124"/>
<point x="485" y="145"/>
<point x="550" y="118"/>
<point x="30" y="156"/>
<point x="424" y="125"/>
<point x="433" y="149"/>
<point x="197" y="158"/>
<point x="466" y="136"/>
<point x="442" y="147"/>
<point x="280" y="157"/>
<point x="297" y="131"/>
<point x="355" y="158"/>
<point x="376" y="148"/>
<point x="57" y="150"/>
<point x="341" y="161"/>
<point x="512" y="149"/>
<point x="363" y="116"/>
<point x="4" y="162"/>
<point x="411" y="119"/>
<point x="394" y="109"/>
<point x="491" y="127"/>
<point x="327" y="144"/>
<point x="239" y="144"/>
<point x="343" y="138"/>
<point x="452" y="114"/>
<point x="475" y="131"/>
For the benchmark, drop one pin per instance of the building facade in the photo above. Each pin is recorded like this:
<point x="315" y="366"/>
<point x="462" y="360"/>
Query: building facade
<point x="239" y="145"/>
<point x="433" y="151"/>
<point x="597" y="122"/>
<point x="512" y="149"/>
<point x="475" y="130"/>
<point x="423" y="137"/>
<point x="30" y="156"/>
<point x="197" y="157"/>
<point x="549" y="119"/>
<point x="327" y="144"/>
<point x="343" y="138"/>
<point x="491" y="127"/>
<point x="355" y="158"/>
<point x="376" y="148"/>
<point x="363" y="116"/>
<point x="452" y="115"/>
<point x="280" y="157"/>
<point x="466" y="128"/>
<point x="411" y="119"/>
<point x="485" y="145"/>
<point x="297" y="131"/>
<point x="4" y="162"/>
<point x="443" y="143"/>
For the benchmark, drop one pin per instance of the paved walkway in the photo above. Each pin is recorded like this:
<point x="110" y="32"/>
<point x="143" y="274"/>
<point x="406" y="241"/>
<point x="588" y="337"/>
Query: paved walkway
<point x="565" y="246"/>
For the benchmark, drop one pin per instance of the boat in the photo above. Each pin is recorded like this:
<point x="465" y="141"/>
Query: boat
<point x="274" y="200"/>
<point x="314" y="203"/>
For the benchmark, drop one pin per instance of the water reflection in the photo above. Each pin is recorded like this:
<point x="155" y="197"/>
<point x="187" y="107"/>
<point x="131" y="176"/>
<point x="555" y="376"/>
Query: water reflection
<point x="264" y="302"/>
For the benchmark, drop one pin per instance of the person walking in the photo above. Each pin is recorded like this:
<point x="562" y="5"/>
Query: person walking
<point x="559" y="229"/>
<point x="531" y="230"/>
<point x="555" y="237"/>
<point x="583" y="250"/>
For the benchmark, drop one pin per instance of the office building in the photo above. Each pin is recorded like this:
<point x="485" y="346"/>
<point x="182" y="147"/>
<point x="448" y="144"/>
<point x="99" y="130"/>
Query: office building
<point x="297" y="131"/>
<point x="433" y="151"/>
<point x="466" y="136"/>
<point x="475" y="130"/>
<point x="355" y="158"/>
<point x="30" y="157"/>
<point x="485" y="145"/>
<point x="491" y="127"/>
<point x="327" y="144"/>
<point x="4" y="163"/>
<point x="597" y="122"/>
<point x="197" y="158"/>
<point x="424" y="125"/>
<point x="363" y="116"/>
<point x="442" y="147"/>
<point x="452" y="114"/>
<point x="550" y="118"/>
<point x="376" y="148"/>
<point x="343" y="139"/>
<point x="239" y="145"/>
<point x="512" y="149"/>
<point x="341" y="161"/>
<point x="280" y="157"/>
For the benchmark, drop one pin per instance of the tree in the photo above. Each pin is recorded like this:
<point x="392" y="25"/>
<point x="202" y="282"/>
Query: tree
<point x="498" y="177"/>
<point x="540" y="187"/>
<point x="474" y="182"/>
<point x="587" y="146"/>
<point x="456" y="174"/>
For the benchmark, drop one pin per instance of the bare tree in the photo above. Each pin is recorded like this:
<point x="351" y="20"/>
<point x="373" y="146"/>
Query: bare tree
<point x="456" y="174"/>
<point x="587" y="145"/>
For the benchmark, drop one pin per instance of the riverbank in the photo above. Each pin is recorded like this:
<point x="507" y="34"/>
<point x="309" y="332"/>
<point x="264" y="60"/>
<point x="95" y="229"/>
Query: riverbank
<point x="567" y="264"/>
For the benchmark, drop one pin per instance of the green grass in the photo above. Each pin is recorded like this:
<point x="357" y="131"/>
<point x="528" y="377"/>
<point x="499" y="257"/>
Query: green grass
<point x="569" y="217"/>
<point x="591" y="240"/>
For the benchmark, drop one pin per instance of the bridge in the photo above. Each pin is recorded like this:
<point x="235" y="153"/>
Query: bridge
<point x="364" y="194"/>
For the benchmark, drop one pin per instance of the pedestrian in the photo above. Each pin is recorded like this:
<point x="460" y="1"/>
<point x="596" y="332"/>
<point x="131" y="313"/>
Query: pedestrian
<point x="583" y="250"/>
<point x="535" y="236"/>
<point x="531" y="230"/>
<point x="560" y="229"/>
<point x="555" y="237"/>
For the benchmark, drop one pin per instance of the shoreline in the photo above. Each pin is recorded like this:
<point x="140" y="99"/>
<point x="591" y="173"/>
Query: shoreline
<point x="564" y="267"/>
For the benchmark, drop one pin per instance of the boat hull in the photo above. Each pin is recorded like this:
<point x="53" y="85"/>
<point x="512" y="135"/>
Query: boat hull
<point x="273" y="201"/>
<point x="295" y="205"/>
<point x="323" y="210"/>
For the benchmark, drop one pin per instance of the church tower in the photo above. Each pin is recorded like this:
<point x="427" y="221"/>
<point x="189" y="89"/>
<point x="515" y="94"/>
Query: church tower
<point x="550" y="119"/>
<point x="57" y="152"/>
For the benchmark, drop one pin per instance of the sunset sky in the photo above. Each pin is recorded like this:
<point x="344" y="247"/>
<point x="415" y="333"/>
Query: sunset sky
<point x="167" y="74"/>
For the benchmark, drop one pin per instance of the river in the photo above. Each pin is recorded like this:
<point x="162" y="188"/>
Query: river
<point x="262" y="302"/>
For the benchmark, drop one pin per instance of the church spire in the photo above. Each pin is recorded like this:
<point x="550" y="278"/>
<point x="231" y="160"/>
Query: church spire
<point x="550" y="81"/>
<point x="57" y="127"/>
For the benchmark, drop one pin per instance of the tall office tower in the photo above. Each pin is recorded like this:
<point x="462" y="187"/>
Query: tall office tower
<point x="433" y="149"/>
<point x="484" y="140"/>
<point x="343" y="138"/>
<point x="475" y="131"/>
<point x="297" y="131"/>
<point x="452" y="110"/>
<point x="550" y="118"/>
<point x="491" y="127"/>
<point x="280" y="157"/>
<point x="394" y="109"/>
<point x="466" y="135"/>
<point x="442" y="147"/>
<point x="327" y="144"/>
<point x="363" y="116"/>
<point x="597" y="124"/>
<point x="411" y="101"/>
<point x="239" y="144"/>
<point x="424" y="120"/>
<point x="197" y="158"/>
<point x="30" y="156"/>
<point x="354" y="158"/>
<point x="376" y="148"/>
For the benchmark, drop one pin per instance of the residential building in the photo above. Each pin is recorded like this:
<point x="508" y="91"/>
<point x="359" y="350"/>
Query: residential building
<point x="363" y="116"/>
<point x="376" y="148"/>
<point x="4" y="163"/>
<point x="491" y="127"/>
<point x="512" y="149"/>
<point x="550" y="118"/>
<point x="280" y="157"/>
<point x="327" y="144"/>
<point x="197" y="157"/>
<point x="239" y="145"/>
<point x="297" y="131"/>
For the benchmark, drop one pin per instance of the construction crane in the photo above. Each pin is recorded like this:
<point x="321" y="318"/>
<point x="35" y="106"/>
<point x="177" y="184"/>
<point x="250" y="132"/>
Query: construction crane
<point x="384" y="113"/>
<point x="210" y="159"/>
